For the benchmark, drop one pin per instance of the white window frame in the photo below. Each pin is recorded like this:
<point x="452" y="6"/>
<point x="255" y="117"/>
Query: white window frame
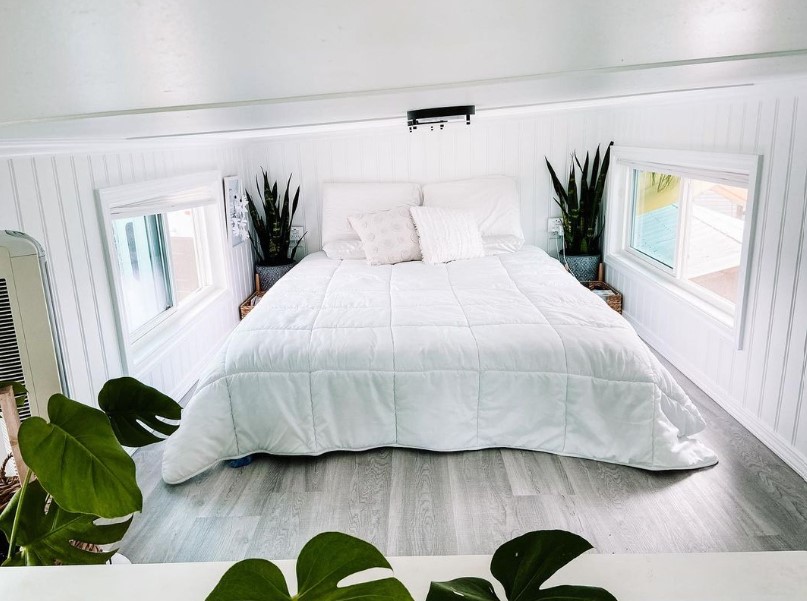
<point x="201" y="192"/>
<point x="732" y="169"/>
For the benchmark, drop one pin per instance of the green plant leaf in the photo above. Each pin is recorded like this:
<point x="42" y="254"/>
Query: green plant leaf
<point x="79" y="461"/>
<point x="330" y="557"/>
<point x="45" y="531"/>
<point x="251" y="580"/>
<point x="523" y="564"/>
<point x="574" y="593"/>
<point x="294" y="205"/>
<point x="464" y="589"/>
<point x="324" y="562"/>
<point x="285" y="220"/>
<point x="561" y="199"/>
<point x="571" y="191"/>
<point x="133" y="408"/>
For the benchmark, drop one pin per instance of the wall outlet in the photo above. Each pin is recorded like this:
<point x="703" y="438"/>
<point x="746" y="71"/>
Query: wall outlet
<point x="296" y="232"/>
<point x="555" y="226"/>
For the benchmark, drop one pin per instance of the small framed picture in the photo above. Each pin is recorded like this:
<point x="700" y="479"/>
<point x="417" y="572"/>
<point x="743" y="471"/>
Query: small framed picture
<point x="235" y="204"/>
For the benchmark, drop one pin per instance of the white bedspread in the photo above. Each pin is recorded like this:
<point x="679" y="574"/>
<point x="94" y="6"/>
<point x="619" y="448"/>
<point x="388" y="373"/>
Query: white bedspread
<point x="501" y="351"/>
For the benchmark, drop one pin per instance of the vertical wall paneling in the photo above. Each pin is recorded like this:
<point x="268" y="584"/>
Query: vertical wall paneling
<point x="52" y="198"/>
<point x="763" y="386"/>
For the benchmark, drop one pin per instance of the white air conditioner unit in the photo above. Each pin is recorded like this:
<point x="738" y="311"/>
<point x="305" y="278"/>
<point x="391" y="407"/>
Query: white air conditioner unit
<point x="29" y="341"/>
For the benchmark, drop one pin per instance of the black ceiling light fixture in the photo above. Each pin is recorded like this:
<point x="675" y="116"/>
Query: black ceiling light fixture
<point x="439" y="116"/>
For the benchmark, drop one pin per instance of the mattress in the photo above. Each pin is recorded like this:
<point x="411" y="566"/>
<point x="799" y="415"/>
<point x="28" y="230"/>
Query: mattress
<point x="501" y="351"/>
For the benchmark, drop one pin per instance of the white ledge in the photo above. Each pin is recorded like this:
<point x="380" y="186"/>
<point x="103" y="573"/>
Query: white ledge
<point x="771" y="576"/>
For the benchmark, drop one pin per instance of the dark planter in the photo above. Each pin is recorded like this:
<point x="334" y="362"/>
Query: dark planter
<point x="3" y="547"/>
<point x="584" y="267"/>
<point x="270" y="274"/>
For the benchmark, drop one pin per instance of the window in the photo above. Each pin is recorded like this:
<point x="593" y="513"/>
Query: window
<point x="159" y="263"/>
<point x="685" y="218"/>
<point x="166" y="244"/>
<point x="692" y="227"/>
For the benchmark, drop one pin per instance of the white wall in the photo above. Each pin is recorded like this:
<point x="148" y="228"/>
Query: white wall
<point x="513" y="146"/>
<point x="763" y="386"/>
<point x="51" y="197"/>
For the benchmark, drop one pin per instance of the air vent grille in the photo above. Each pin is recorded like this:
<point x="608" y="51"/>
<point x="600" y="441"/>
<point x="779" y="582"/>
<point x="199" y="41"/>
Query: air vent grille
<point x="10" y="360"/>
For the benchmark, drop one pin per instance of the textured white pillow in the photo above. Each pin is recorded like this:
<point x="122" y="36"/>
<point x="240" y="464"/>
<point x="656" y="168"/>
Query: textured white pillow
<point x="447" y="234"/>
<point x="344" y="249"/>
<point x="341" y="200"/>
<point x="388" y="237"/>
<point x="493" y="200"/>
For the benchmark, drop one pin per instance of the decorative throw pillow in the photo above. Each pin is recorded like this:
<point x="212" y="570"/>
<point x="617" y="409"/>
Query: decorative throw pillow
<point x="387" y="236"/>
<point x="447" y="234"/>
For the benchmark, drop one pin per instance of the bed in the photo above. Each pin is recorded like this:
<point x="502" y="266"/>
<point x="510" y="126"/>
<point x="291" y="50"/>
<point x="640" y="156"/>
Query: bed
<point x="506" y="350"/>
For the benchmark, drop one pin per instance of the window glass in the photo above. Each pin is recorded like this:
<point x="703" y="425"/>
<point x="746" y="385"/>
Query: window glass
<point x="708" y="240"/>
<point x="714" y="241"/>
<point x="141" y="259"/>
<point x="184" y="253"/>
<point x="656" y="200"/>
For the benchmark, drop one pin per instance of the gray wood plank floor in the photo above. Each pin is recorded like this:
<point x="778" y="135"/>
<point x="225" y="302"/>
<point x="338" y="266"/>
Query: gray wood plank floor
<point x="409" y="502"/>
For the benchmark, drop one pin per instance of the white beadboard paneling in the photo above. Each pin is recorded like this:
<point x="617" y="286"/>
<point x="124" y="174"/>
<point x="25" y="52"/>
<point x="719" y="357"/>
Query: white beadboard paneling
<point x="52" y="198"/>
<point x="513" y="146"/>
<point x="764" y="385"/>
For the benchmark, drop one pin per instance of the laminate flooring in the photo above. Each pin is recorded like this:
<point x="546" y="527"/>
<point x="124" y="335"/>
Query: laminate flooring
<point x="409" y="502"/>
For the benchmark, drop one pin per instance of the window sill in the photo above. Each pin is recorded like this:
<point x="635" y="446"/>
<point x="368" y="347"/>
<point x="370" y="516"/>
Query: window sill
<point x="624" y="260"/>
<point x="148" y="349"/>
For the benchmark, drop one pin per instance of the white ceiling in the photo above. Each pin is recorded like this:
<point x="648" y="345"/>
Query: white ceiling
<point x="240" y="64"/>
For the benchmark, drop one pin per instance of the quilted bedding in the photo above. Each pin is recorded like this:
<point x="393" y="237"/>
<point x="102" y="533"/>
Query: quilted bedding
<point x="500" y="351"/>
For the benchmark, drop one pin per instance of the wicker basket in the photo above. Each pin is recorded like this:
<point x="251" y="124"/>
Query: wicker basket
<point x="613" y="300"/>
<point x="8" y="484"/>
<point x="253" y="298"/>
<point x="250" y="303"/>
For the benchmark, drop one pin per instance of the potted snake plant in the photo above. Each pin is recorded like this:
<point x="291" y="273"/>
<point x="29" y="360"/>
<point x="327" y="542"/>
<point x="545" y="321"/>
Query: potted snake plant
<point x="582" y="213"/>
<point x="271" y="225"/>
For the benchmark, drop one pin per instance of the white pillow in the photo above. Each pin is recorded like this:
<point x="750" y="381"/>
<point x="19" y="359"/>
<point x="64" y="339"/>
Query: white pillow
<point x="499" y="245"/>
<point x="344" y="249"/>
<point x="493" y="200"/>
<point x="388" y="237"/>
<point x="447" y="234"/>
<point x="340" y="200"/>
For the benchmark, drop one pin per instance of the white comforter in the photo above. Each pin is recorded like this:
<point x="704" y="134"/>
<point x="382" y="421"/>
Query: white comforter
<point x="503" y="351"/>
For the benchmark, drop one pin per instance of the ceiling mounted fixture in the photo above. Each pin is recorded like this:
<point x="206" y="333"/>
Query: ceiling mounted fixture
<point x="439" y="116"/>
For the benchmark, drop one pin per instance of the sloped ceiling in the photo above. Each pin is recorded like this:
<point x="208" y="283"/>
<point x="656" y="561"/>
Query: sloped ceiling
<point x="214" y="65"/>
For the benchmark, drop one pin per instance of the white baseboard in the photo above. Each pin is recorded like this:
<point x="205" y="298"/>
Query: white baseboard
<point x="782" y="448"/>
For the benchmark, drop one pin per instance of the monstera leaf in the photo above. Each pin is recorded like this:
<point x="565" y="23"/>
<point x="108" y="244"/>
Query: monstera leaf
<point x="133" y="408"/>
<point x="325" y="560"/>
<point x="79" y="461"/>
<point x="46" y="532"/>
<point x="522" y="565"/>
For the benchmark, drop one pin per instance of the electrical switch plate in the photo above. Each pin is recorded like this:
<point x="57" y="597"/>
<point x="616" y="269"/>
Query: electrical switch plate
<point x="296" y="233"/>
<point x="555" y="226"/>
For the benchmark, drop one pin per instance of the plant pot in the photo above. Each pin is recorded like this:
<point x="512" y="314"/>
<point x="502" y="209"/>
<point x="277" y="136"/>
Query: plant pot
<point x="270" y="274"/>
<point x="584" y="267"/>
